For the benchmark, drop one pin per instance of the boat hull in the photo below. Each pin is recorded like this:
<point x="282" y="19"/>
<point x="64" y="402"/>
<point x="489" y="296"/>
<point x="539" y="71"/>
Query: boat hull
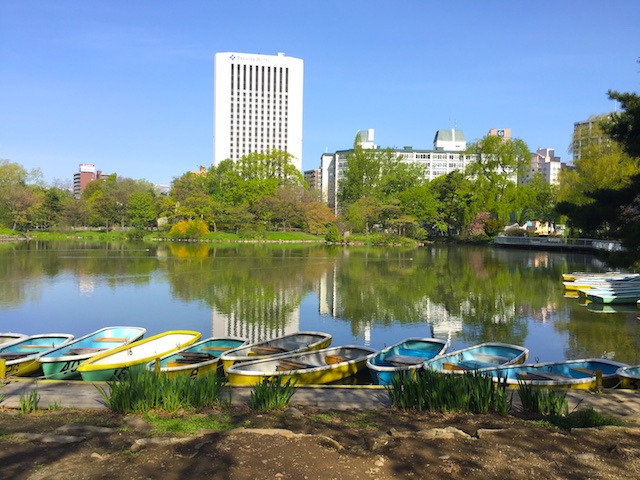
<point x="115" y="363"/>
<point x="307" y="368"/>
<point x="293" y="343"/>
<point x="629" y="377"/>
<point x="406" y="356"/>
<point x="576" y="374"/>
<point x="62" y="363"/>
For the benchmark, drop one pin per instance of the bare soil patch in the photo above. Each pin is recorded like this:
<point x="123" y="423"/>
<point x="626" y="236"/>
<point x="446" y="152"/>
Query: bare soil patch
<point x="309" y="443"/>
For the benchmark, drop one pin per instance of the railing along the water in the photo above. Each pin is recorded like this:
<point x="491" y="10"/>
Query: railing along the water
<point x="559" y="243"/>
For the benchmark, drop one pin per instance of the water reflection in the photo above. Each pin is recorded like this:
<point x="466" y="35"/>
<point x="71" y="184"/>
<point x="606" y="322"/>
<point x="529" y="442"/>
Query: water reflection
<point x="361" y="295"/>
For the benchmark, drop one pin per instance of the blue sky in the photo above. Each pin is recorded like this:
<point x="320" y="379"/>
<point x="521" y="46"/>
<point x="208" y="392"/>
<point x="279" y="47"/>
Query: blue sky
<point x="128" y="85"/>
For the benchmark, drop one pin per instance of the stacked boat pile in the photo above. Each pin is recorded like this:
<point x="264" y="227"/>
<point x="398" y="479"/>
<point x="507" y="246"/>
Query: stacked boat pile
<point x="598" y="291"/>
<point x="302" y="357"/>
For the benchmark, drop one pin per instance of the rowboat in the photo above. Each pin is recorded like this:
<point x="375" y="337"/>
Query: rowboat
<point x="611" y="308"/>
<point x="579" y="374"/>
<point x="630" y="296"/>
<point x="572" y="277"/>
<point x="62" y="363"/>
<point x="6" y="338"/>
<point x="198" y="359"/>
<point x="586" y="284"/>
<point x="21" y="356"/>
<point x="113" y="364"/>
<point x="479" y="358"/>
<point x="407" y="355"/>
<point x="316" y="367"/>
<point x="291" y="343"/>
<point x="629" y="376"/>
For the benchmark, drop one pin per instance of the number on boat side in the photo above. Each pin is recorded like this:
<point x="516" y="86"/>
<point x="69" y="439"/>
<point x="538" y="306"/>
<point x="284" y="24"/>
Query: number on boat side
<point x="194" y="372"/>
<point x="120" y="373"/>
<point x="69" y="365"/>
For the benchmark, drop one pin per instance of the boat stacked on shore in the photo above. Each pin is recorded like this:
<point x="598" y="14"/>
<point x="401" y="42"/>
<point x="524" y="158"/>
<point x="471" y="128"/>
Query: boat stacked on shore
<point x="604" y="292"/>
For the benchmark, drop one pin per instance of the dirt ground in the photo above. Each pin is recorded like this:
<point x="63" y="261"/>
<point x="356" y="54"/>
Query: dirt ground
<point x="312" y="444"/>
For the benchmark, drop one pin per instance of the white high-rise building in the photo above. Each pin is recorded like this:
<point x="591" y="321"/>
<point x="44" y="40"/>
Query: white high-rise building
<point x="257" y="105"/>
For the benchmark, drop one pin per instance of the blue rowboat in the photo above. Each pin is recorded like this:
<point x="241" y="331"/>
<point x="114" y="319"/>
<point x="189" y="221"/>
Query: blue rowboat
<point x="579" y="374"/>
<point x="199" y="359"/>
<point x="629" y="376"/>
<point x="479" y="358"/>
<point x="21" y="356"/>
<point x="62" y="363"/>
<point x="406" y="356"/>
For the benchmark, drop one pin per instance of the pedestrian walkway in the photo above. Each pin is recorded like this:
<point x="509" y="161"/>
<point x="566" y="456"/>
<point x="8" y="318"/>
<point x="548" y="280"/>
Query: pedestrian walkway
<point x="624" y="404"/>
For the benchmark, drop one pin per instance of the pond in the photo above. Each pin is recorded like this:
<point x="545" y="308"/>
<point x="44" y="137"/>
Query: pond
<point x="362" y="296"/>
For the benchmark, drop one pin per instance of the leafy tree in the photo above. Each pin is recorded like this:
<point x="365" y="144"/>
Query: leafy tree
<point x="364" y="173"/>
<point x="362" y="214"/>
<point x="496" y="171"/>
<point x="456" y="202"/>
<point x="602" y="165"/>
<point x="140" y="210"/>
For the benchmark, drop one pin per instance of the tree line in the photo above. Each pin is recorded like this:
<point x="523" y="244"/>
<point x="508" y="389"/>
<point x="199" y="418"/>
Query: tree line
<point x="598" y="196"/>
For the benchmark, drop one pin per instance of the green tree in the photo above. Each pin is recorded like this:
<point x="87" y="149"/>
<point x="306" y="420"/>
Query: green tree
<point x="498" y="166"/>
<point x="456" y="202"/>
<point x="141" y="210"/>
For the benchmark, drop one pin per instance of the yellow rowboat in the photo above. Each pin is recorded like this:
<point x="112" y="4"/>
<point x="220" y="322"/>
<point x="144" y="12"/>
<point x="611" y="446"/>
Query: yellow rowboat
<point x="21" y="356"/>
<point x="572" y="277"/>
<point x="201" y="358"/>
<point x="317" y="367"/>
<point x="291" y="343"/>
<point x="114" y="363"/>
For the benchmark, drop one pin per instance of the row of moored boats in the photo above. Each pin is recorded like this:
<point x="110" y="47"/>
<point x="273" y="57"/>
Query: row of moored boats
<point x="303" y="357"/>
<point x="604" y="289"/>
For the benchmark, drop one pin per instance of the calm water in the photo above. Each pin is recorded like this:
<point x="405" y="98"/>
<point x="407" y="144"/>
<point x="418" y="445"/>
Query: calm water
<point x="362" y="296"/>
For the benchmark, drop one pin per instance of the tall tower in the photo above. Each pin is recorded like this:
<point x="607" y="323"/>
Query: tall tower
<point x="257" y="105"/>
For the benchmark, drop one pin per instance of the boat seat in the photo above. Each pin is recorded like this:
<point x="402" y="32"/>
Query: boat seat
<point x="37" y="346"/>
<point x="217" y="349"/>
<point x="453" y="366"/>
<point x="111" y="339"/>
<point x="334" y="359"/>
<point x="193" y="357"/>
<point x="83" y="351"/>
<point x="543" y="376"/>
<point x="13" y="355"/>
<point x="404" y="360"/>
<point x="286" y="365"/>
<point x="588" y="371"/>
<point x="266" y="350"/>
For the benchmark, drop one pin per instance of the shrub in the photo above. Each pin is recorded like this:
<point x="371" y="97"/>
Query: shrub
<point x="492" y="227"/>
<point x="333" y="234"/>
<point x="187" y="229"/>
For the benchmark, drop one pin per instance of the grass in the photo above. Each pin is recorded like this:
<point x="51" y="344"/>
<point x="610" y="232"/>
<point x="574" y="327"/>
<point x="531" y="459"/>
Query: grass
<point x="542" y="401"/>
<point x="272" y="394"/>
<point x="188" y="425"/>
<point x="54" y="407"/>
<point x="143" y="391"/>
<point x="433" y="391"/>
<point x="583" y="418"/>
<point x="29" y="402"/>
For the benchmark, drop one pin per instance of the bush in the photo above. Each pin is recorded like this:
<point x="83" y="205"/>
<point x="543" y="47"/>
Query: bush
<point x="492" y="227"/>
<point x="187" y="229"/>
<point x="272" y="394"/>
<point x="333" y="235"/>
<point x="515" y="232"/>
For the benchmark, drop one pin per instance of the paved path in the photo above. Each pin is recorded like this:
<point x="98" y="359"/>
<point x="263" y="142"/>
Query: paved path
<point x="623" y="404"/>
